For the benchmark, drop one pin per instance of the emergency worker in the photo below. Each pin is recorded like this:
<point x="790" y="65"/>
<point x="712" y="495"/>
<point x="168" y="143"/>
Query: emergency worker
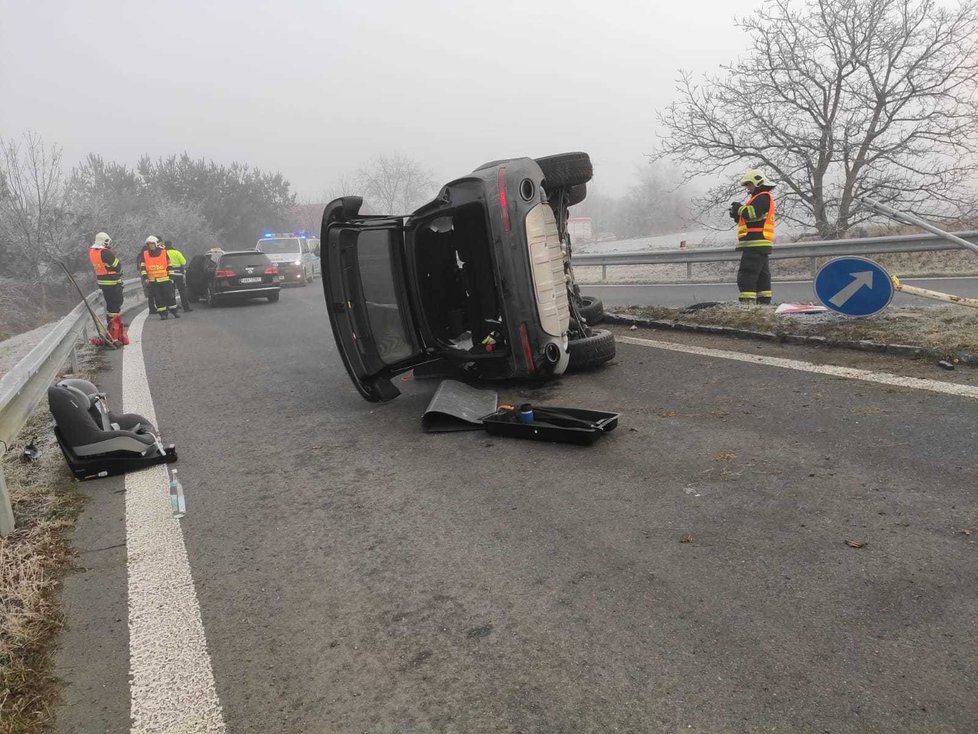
<point x="178" y="272"/>
<point x="108" y="274"/>
<point x="155" y="271"/>
<point x="755" y="237"/>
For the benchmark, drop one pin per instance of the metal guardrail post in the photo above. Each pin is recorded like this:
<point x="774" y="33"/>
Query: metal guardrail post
<point x="6" y="511"/>
<point x="689" y="271"/>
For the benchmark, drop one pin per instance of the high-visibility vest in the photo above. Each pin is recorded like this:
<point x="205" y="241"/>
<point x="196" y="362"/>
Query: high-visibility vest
<point x="104" y="275"/>
<point x="752" y="235"/>
<point x="156" y="266"/>
<point x="177" y="260"/>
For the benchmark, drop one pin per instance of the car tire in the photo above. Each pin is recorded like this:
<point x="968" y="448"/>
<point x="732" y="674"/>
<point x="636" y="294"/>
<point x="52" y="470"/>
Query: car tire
<point x="576" y="194"/>
<point x="591" y="351"/>
<point x="211" y="297"/>
<point x="566" y="169"/>
<point x="591" y="309"/>
<point x="273" y="298"/>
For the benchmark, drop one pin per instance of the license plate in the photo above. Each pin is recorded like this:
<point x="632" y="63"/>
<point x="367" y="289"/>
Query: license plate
<point x="251" y="280"/>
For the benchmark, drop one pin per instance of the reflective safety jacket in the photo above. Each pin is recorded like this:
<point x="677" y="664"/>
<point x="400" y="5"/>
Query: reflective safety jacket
<point x="755" y="224"/>
<point x="108" y="269"/>
<point x="177" y="261"/>
<point x="155" y="267"/>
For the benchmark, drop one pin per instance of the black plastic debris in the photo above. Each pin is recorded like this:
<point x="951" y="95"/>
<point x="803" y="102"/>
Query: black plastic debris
<point x="550" y="423"/>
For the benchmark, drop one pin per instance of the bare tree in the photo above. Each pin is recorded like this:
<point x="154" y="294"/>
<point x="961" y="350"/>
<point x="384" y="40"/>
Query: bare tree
<point x="396" y="184"/>
<point x="35" y="211"/>
<point x="840" y="99"/>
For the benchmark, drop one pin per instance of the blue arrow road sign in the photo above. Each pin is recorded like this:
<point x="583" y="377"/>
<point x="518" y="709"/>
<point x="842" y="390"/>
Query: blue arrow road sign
<point x="853" y="286"/>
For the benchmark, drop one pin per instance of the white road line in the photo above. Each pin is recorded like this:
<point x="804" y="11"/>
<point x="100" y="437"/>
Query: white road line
<point x="883" y="378"/>
<point x="171" y="682"/>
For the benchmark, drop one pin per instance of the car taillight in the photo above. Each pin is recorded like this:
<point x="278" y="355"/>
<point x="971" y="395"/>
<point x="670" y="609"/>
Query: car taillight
<point x="224" y="273"/>
<point x="527" y="352"/>
<point x="271" y="271"/>
<point x="503" y="202"/>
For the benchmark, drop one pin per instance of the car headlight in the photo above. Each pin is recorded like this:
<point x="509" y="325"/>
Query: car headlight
<point x="297" y="262"/>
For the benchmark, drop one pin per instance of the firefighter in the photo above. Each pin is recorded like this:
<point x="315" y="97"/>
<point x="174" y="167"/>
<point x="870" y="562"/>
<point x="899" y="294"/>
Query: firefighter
<point x="155" y="271"/>
<point x="108" y="274"/>
<point x="178" y="265"/>
<point x="755" y="237"/>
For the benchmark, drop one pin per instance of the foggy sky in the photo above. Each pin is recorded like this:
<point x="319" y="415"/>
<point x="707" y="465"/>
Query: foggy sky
<point x="315" y="90"/>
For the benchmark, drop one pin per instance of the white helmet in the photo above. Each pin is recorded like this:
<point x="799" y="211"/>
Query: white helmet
<point x="753" y="176"/>
<point x="151" y="240"/>
<point x="103" y="239"/>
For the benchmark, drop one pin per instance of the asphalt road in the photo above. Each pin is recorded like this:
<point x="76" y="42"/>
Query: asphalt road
<point x="357" y="575"/>
<point x="794" y="291"/>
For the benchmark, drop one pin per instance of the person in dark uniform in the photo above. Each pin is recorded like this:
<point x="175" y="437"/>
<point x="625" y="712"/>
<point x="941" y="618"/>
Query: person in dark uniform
<point x="178" y="272"/>
<point x="108" y="274"/>
<point x="755" y="237"/>
<point x="155" y="270"/>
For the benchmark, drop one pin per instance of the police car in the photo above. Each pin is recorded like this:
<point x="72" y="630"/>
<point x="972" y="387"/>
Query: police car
<point x="295" y="254"/>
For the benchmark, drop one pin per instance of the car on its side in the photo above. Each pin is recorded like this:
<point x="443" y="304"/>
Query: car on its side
<point x="220" y="276"/>
<point x="480" y="277"/>
<point x="297" y="257"/>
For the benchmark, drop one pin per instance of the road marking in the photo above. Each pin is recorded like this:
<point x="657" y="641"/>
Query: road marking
<point x="171" y="681"/>
<point x="883" y="378"/>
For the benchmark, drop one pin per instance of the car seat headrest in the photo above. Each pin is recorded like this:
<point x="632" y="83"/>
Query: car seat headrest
<point x="79" y="384"/>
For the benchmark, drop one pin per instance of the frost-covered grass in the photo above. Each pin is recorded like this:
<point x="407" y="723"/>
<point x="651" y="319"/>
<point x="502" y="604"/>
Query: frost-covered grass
<point x="946" y="329"/>
<point x="33" y="559"/>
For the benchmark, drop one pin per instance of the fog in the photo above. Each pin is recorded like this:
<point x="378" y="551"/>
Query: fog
<point x="316" y="90"/>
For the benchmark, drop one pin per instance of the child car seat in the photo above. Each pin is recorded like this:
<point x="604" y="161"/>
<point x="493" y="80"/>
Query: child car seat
<point x="96" y="442"/>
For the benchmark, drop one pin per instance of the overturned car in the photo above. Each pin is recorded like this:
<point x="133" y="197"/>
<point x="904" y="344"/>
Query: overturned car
<point x="479" y="277"/>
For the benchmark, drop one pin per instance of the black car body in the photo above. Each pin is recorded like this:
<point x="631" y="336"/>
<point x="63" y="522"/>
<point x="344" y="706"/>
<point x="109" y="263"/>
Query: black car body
<point x="478" y="277"/>
<point x="218" y="275"/>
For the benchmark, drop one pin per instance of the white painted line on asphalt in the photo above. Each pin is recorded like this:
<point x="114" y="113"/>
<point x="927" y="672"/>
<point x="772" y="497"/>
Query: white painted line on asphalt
<point x="883" y="378"/>
<point x="171" y="681"/>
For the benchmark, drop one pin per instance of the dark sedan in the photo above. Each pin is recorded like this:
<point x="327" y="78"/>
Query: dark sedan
<point x="218" y="276"/>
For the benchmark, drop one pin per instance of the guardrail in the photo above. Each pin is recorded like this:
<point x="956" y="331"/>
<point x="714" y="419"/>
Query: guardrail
<point x="810" y="250"/>
<point x="27" y="383"/>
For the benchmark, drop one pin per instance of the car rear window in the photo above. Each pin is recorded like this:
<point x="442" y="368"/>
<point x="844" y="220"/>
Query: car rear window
<point x="374" y="252"/>
<point x="279" y="246"/>
<point x="245" y="260"/>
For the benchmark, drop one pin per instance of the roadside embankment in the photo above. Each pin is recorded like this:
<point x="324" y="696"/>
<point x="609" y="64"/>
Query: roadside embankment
<point x="941" y="332"/>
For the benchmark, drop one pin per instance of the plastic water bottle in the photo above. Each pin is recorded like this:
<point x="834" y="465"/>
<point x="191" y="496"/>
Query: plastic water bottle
<point x="177" y="503"/>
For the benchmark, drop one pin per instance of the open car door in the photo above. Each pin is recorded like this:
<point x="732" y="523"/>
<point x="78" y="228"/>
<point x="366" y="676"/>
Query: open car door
<point x="365" y="280"/>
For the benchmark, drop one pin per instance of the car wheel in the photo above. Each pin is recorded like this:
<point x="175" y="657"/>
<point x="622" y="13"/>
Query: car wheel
<point x="211" y="298"/>
<point x="273" y="298"/>
<point x="303" y="281"/>
<point x="591" y="351"/>
<point x="566" y="169"/>
<point x="591" y="309"/>
<point x="576" y="194"/>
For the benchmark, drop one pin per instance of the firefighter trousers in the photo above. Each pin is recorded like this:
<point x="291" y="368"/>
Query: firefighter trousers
<point x="163" y="296"/>
<point x="113" y="299"/>
<point x="754" y="276"/>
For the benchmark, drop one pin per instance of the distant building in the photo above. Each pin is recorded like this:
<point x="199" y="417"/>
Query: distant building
<point x="579" y="229"/>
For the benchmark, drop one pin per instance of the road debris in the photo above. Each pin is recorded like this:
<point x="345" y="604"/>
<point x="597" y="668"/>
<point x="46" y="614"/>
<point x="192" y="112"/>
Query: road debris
<point x="855" y="543"/>
<point x="687" y="538"/>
